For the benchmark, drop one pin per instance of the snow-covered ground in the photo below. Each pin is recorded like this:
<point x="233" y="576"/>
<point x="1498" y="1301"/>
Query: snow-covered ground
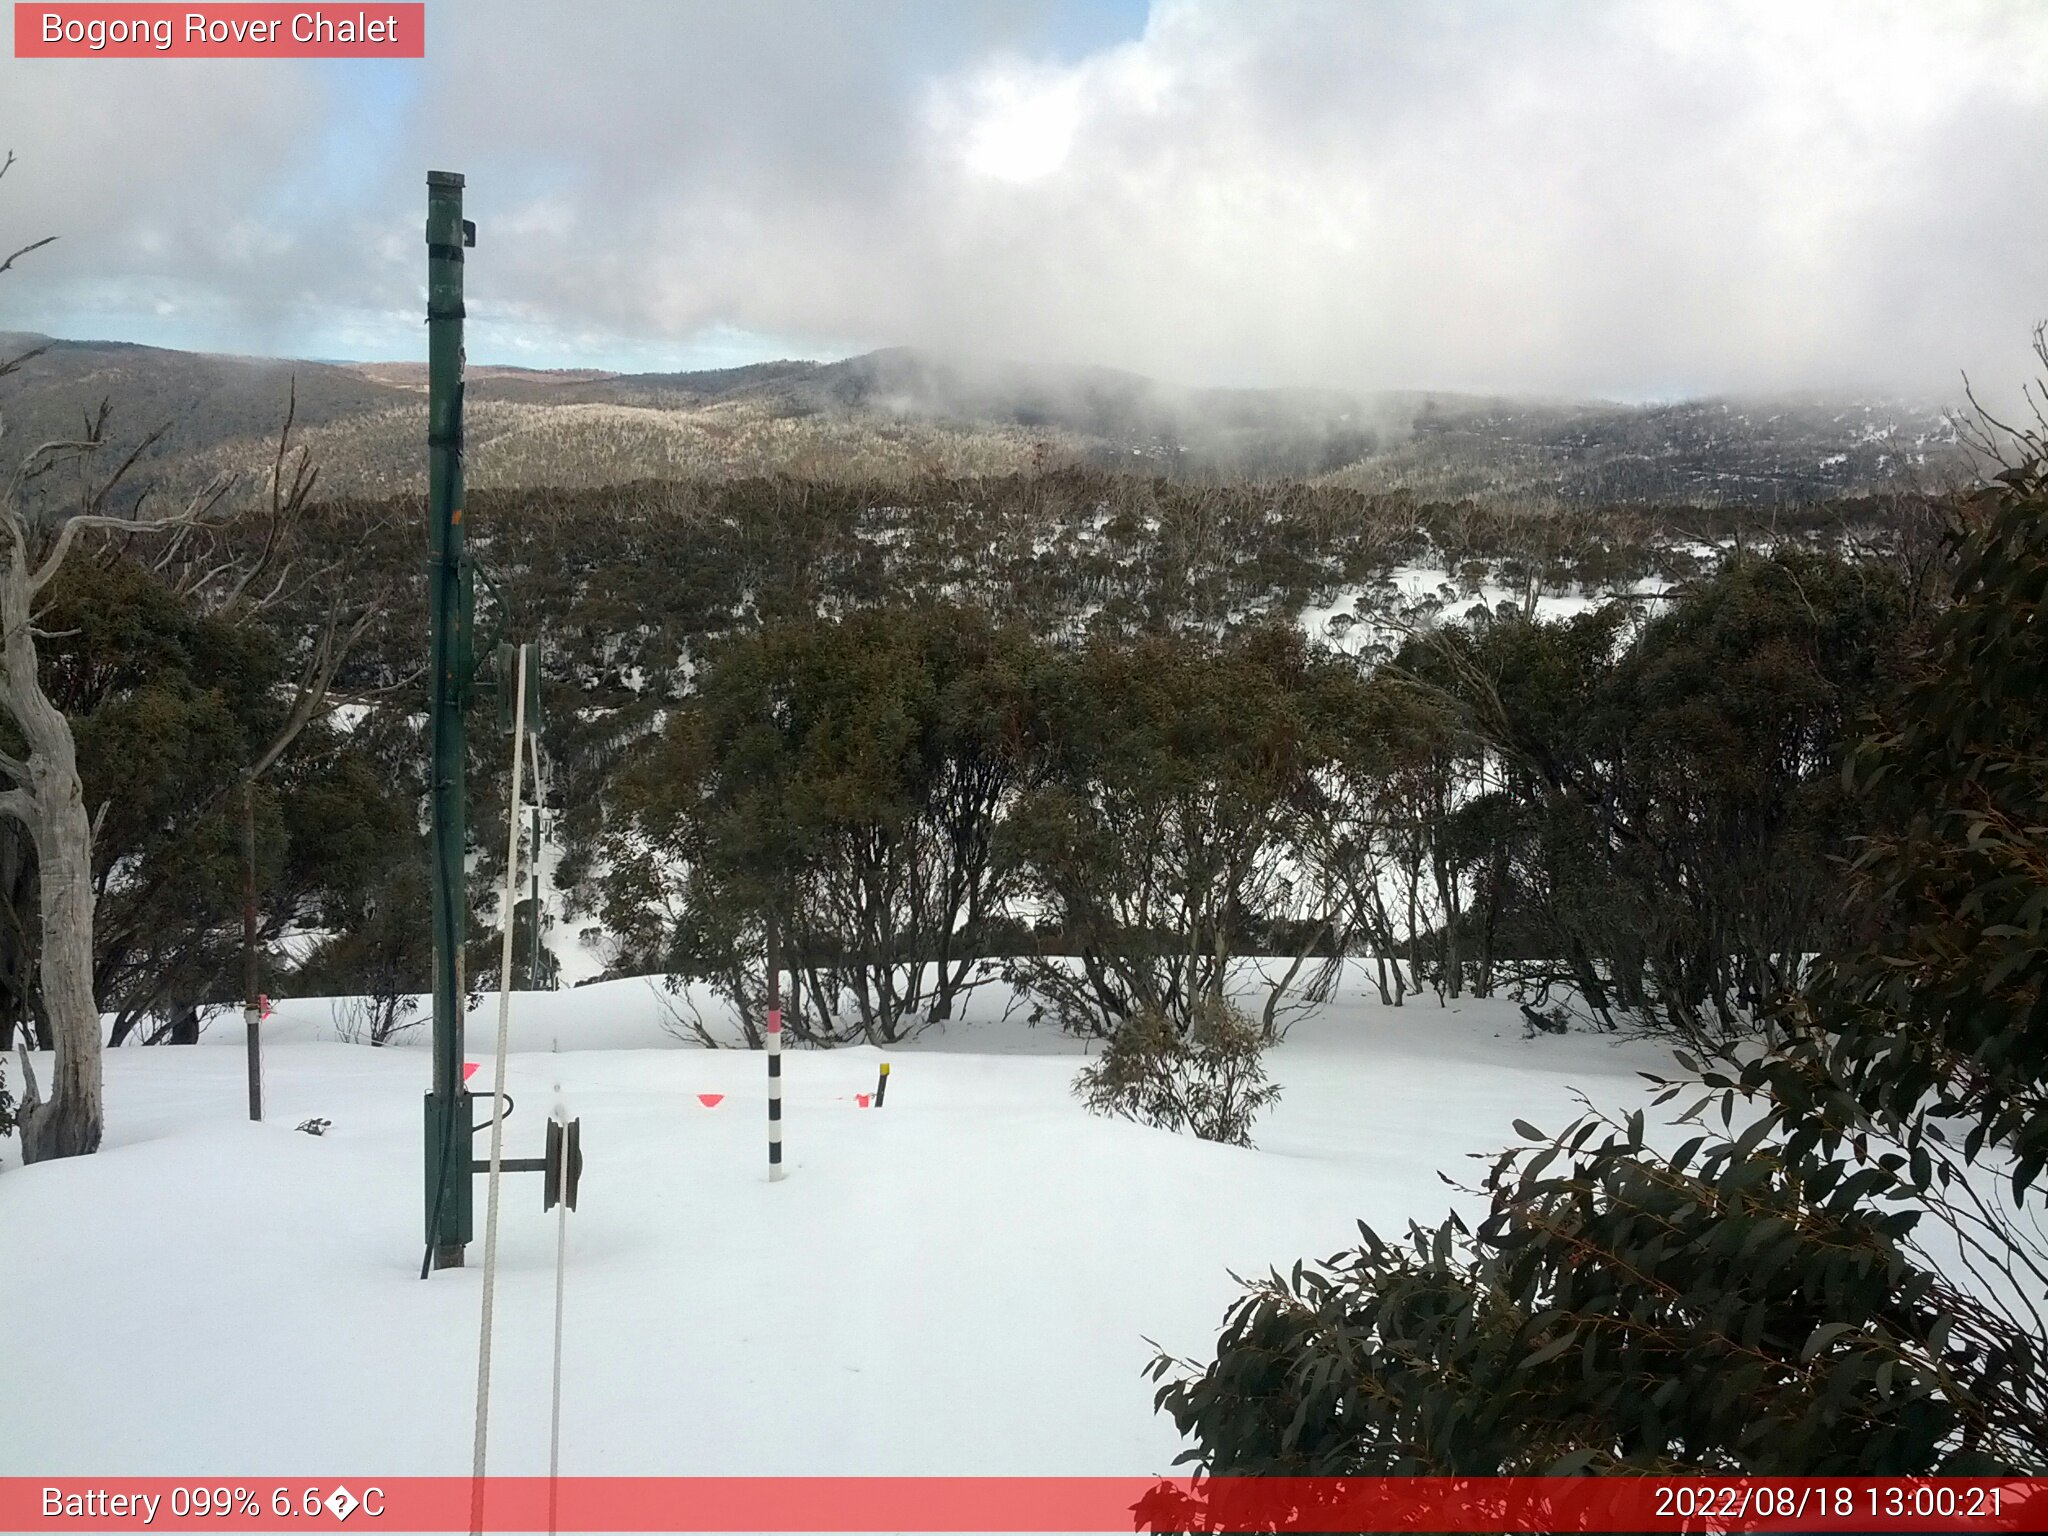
<point x="1360" y="618"/>
<point x="963" y="1282"/>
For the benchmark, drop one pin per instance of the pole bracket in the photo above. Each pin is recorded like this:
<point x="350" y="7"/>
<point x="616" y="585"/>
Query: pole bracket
<point x="562" y="1164"/>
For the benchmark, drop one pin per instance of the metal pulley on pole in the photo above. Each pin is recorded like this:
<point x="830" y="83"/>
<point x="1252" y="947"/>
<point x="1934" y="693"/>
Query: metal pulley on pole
<point x="565" y="1166"/>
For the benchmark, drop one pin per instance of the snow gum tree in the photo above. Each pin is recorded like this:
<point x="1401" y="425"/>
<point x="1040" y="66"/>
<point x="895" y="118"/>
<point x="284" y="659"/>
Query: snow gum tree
<point x="54" y="494"/>
<point x="840" y="783"/>
<point x="47" y="797"/>
<point x="1160" y="838"/>
<point x="45" y="793"/>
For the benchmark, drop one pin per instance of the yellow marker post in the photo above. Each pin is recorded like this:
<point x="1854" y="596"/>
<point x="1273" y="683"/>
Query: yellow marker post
<point x="882" y="1085"/>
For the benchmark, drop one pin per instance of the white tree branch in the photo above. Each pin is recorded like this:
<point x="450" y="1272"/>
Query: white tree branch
<point x="201" y="504"/>
<point x="34" y="245"/>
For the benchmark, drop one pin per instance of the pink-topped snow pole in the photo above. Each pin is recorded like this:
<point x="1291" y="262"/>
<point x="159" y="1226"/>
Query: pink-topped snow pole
<point x="774" y="1058"/>
<point x="774" y="1093"/>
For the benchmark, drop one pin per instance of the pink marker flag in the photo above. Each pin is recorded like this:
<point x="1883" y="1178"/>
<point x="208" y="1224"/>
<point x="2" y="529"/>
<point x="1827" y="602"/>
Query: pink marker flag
<point x="711" y="1100"/>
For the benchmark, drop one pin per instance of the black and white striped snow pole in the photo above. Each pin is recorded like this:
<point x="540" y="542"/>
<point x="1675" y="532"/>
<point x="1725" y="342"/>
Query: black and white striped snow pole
<point x="774" y="1093"/>
<point x="774" y="1053"/>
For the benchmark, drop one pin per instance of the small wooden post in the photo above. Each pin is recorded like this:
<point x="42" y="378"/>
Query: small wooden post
<point x="252" y="1008"/>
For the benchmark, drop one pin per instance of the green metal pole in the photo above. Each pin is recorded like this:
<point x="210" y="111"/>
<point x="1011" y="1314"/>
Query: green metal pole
<point x="450" y="591"/>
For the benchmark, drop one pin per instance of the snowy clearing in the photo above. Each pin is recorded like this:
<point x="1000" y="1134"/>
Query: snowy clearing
<point x="961" y="1283"/>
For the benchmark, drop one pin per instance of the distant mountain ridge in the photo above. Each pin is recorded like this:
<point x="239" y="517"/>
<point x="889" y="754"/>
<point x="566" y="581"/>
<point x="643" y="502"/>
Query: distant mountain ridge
<point x="902" y="410"/>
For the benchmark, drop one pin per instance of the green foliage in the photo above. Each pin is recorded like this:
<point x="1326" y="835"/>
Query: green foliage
<point x="381" y="960"/>
<point x="1938" y="1017"/>
<point x="842" y="781"/>
<point x="1828" y="1284"/>
<point x="1207" y="1079"/>
<point x="1650" y="813"/>
<point x="1724" y="1308"/>
<point x="636" y="585"/>
<point x="161" y="699"/>
<point x="168" y="704"/>
<point x="1155" y="836"/>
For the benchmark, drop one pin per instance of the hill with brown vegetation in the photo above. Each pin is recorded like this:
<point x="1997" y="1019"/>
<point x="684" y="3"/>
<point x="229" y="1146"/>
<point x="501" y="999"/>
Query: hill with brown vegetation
<point x="901" y="414"/>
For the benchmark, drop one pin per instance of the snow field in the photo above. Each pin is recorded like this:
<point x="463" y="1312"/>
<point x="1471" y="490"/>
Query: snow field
<point x="960" y="1283"/>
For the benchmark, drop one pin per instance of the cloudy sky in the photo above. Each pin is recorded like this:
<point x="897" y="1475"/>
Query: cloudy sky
<point x="1629" y="198"/>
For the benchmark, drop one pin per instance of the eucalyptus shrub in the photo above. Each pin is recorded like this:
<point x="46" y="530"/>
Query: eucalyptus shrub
<point x="1208" y="1079"/>
<point x="1729" y="1307"/>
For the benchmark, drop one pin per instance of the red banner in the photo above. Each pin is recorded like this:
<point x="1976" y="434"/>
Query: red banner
<point x="215" y="31"/>
<point x="1051" y="1504"/>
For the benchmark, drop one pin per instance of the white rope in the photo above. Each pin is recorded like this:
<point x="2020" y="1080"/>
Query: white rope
<point x="483" y="1349"/>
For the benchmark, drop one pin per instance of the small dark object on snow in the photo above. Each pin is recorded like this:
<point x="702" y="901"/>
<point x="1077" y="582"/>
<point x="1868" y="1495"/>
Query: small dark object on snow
<point x="315" y="1126"/>
<point x="1551" y="1023"/>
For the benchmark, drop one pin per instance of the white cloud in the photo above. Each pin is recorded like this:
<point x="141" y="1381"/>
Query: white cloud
<point x="1014" y="122"/>
<point x="1614" y="196"/>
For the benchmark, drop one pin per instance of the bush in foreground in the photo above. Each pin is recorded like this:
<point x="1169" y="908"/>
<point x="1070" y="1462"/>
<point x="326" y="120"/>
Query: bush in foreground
<point x="1728" y="1307"/>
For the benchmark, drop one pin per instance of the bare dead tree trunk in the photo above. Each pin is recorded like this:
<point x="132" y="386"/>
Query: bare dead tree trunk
<point x="49" y="800"/>
<point x="46" y="795"/>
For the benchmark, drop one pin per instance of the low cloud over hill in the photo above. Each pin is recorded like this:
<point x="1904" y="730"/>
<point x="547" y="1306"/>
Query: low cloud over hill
<point x="905" y="412"/>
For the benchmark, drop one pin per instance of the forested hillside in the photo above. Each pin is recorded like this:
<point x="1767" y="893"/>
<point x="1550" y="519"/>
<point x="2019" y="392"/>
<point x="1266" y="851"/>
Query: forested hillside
<point x="1082" y="590"/>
